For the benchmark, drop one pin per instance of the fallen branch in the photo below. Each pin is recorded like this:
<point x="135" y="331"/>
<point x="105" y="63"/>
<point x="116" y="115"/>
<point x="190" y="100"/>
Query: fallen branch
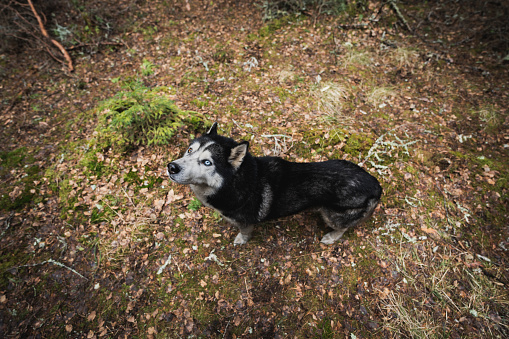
<point x="53" y="41"/>
<point x="396" y="10"/>
<point x="163" y="267"/>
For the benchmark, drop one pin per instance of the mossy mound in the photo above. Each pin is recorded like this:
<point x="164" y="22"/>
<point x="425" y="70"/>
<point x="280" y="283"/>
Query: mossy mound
<point x="141" y="116"/>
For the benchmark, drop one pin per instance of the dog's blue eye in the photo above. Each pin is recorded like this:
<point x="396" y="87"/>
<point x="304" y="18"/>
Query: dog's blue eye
<point x="207" y="162"/>
<point x="190" y="150"/>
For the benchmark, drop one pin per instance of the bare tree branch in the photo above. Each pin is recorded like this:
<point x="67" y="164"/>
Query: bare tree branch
<point x="56" y="43"/>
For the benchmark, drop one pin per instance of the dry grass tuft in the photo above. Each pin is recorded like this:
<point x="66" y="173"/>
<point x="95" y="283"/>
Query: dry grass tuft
<point x="403" y="58"/>
<point x="379" y="95"/>
<point x="356" y="58"/>
<point x="489" y="115"/>
<point x="285" y="75"/>
<point x="446" y="284"/>
<point x="404" y="319"/>
<point x="331" y="98"/>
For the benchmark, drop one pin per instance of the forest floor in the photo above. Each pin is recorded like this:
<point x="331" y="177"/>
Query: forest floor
<point x="96" y="242"/>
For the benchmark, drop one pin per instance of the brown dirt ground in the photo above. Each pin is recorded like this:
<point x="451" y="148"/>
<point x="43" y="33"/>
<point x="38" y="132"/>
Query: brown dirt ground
<point x="432" y="262"/>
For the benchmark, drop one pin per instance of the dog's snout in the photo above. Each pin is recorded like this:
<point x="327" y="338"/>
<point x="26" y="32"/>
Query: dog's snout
<point x="173" y="168"/>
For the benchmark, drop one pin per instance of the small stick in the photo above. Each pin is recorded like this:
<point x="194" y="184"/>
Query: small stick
<point x="128" y="197"/>
<point x="8" y="224"/>
<point x="54" y="262"/>
<point x="247" y="289"/>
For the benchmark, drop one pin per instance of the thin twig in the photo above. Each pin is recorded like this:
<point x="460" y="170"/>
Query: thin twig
<point x="54" y="262"/>
<point x="8" y="224"/>
<point x="226" y="328"/>
<point x="53" y="41"/>
<point x="396" y="10"/>
<point x="247" y="289"/>
<point x="354" y="26"/>
<point x="128" y="197"/>
<point x="445" y="206"/>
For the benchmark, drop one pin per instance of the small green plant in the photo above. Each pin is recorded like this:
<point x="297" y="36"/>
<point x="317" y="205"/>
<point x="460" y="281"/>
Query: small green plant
<point x="147" y="68"/>
<point x="62" y="33"/>
<point x="141" y="116"/>
<point x="194" y="205"/>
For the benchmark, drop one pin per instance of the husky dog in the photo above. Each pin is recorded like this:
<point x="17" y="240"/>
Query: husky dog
<point x="247" y="190"/>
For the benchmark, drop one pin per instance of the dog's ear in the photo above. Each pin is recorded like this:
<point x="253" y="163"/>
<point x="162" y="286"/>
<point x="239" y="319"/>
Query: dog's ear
<point x="237" y="154"/>
<point x="213" y="129"/>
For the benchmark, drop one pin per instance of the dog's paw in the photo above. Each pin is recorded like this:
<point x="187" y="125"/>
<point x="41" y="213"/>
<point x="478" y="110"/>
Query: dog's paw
<point x="240" y="239"/>
<point x="328" y="239"/>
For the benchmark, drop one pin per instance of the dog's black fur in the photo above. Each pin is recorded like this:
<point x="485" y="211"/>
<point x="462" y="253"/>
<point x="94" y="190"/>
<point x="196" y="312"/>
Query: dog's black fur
<point x="345" y="193"/>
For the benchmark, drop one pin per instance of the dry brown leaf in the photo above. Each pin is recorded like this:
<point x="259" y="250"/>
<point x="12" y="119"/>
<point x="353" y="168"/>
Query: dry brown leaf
<point x="172" y="197"/>
<point x="429" y="230"/>
<point x="158" y="204"/>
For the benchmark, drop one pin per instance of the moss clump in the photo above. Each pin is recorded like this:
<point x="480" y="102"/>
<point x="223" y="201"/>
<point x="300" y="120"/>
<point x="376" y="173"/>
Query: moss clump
<point x="358" y="143"/>
<point x="319" y="140"/>
<point x="16" y="194"/>
<point x="270" y="28"/>
<point x="13" y="158"/>
<point x="8" y="261"/>
<point x="223" y="54"/>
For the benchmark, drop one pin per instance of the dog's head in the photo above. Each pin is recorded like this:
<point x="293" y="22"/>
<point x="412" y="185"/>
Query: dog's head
<point x="209" y="160"/>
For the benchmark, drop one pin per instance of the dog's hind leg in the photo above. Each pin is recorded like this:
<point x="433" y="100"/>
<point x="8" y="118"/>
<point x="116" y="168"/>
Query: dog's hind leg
<point x="342" y="221"/>
<point x="331" y="237"/>
<point x="335" y="221"/>
<point x="244" y="235"/>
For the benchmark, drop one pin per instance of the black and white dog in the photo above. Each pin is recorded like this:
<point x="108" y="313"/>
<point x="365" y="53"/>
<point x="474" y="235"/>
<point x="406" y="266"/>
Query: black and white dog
<point x="247" y="190"/>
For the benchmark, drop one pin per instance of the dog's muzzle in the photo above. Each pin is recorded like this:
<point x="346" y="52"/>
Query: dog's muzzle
<point x="173" y="168"/>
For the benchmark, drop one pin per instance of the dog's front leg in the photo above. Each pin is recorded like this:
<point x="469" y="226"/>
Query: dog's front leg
<point x="244" y="235"/>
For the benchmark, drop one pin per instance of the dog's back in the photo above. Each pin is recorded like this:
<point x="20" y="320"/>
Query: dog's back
<point x="335" y="184"/>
